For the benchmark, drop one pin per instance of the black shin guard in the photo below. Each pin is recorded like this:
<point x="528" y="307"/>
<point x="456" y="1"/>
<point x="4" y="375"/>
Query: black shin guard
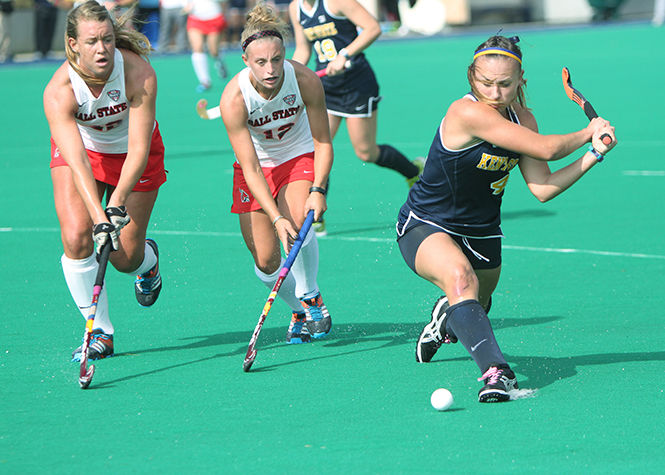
<point x="390" y="157"/>
<point x="468" y="321"/>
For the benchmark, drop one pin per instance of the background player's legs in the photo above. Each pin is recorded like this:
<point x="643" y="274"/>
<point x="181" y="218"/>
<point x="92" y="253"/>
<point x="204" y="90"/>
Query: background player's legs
<point x="334" y="121"/>
<point x="213" y="41"/>
<point x="362" y="132"/>
<point x="199" y="59"/>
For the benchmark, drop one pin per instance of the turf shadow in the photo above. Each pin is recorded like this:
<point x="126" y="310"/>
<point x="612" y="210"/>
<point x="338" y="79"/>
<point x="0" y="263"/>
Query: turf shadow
<point x="541" y="371"/>
<point x="343" y="335"/>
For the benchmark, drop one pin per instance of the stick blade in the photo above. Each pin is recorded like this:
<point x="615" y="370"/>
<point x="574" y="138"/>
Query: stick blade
<point x="567" y="84"/>
<point x="84" y="381"/>
<point x="202" y="109"/>
<point x="249" y="359"/>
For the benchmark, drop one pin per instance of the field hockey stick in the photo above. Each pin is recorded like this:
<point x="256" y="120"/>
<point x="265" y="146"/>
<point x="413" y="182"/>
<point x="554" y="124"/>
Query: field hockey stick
<point x="322" y="72"/>
<point x="251" y="350"/>
<point x="85" y="374"/>
<point x="577" y="97"/>
<point x="207" y="114"/>
<point x="215" y="113"/>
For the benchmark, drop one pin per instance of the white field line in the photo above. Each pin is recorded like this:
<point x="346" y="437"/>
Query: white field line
<point x="643" y="172"/>
<point x="594" y="252"/>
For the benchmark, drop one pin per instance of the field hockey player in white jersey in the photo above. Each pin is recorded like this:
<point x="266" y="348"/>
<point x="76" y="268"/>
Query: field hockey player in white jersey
<point x="100" y="106"/>
<point x="275" y="116"/>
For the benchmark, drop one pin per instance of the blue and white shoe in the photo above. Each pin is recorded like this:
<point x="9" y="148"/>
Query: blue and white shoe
<point x="297" y="332"/>
<point x="203" y="88"/>
<point x="318" y="318"/>
<point x="101" y="346"/>
<point x="148" y="286"/>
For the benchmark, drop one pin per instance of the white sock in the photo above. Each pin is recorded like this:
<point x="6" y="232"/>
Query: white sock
<point x="286" y="291"/>
<point x="306" y="267"/>
<point x="149" y="261"/>
<point x="200" y="63"/>
<point x="80" y="276"/>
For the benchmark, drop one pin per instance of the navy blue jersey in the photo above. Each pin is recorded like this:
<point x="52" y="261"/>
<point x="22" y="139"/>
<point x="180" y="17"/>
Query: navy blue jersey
<point x="328" y="34"/>
<point x="461" y="190"/>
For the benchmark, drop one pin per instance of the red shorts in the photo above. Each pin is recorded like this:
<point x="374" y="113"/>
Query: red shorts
<point x="214" y="25"/>
<point x="106" y="167"/>
<point x="296" y="169"/>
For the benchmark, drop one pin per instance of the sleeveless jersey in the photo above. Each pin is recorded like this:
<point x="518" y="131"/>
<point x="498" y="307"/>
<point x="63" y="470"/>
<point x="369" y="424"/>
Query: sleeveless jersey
<point x="103" y="121"/>
<point x="328" y="34"/>
<point x="279" y="127"/>
<point x="461" y="190"/>
<point x="206" y="9"/>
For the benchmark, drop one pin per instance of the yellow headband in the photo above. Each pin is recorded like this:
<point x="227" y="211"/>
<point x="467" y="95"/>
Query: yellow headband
<point x="501" y="51"/>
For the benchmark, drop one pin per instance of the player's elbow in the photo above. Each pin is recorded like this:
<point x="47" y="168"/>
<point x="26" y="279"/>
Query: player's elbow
<point x="544" y="194"/>
<point x="375" y="31"/>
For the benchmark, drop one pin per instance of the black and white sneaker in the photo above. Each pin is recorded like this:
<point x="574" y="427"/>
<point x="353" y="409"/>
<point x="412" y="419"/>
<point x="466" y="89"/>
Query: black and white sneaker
<point x="434" y="334"/>
<point x="499" y="381"/>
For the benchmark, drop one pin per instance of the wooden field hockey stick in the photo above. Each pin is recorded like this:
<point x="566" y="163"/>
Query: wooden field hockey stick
<point x="215" y="112"/>
<point x="251" y="350"/>
<point x="577" y="97"/>
<point x="85" y="373"/>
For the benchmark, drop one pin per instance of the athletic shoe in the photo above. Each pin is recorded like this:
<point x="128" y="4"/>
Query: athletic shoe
<point x="148" y="286"/>
<point x="221" y="68"/>
<point x="318" y="318"/>
<point x="434" y="333"/>
<point x="202" y="88"/>
<point x="420" y="163"/>
<point x="101" y="346"/>
<point x="499" y="380"/>
<point x="320" y="227"/>
<point x="297" y="332"/>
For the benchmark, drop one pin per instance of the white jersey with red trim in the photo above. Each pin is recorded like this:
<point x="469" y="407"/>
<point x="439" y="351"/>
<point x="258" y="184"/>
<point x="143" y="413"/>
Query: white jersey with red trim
<point x="279" y="127"/>
<point x="206" y="9"/>
<point x="103" y="121"/>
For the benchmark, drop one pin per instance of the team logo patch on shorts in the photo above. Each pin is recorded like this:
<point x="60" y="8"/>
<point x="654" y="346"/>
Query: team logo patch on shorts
<point x="114" y="94"/>
<point x="244" y="196"/>
<point x="290" y="99"/>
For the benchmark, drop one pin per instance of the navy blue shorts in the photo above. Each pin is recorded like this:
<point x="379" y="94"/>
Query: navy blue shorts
<point x="354" y="93"/>
<point x="481" y="253"/>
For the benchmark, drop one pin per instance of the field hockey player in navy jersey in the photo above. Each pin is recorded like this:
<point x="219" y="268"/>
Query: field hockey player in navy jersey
<point x="449" y="228"/>
<point x="330" y="29"/>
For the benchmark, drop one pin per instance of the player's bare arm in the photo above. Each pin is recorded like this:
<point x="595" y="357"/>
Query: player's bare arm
<point x="482" y="121"/>
<point x="141" y="87"/>
<point x="303" y="51"/>
<point x="60" y="108"/>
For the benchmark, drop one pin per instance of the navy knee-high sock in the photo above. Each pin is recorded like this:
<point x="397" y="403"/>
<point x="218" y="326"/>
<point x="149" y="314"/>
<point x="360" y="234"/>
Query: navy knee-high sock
<point x="468" y="321"/>
<point x="390" y="157"/>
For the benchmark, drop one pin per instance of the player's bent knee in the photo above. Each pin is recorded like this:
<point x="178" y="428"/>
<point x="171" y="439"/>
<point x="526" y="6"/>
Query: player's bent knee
<point x="364" y="154"/>
<point x="77" y="243"/>
<point x="267" y="266"/>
